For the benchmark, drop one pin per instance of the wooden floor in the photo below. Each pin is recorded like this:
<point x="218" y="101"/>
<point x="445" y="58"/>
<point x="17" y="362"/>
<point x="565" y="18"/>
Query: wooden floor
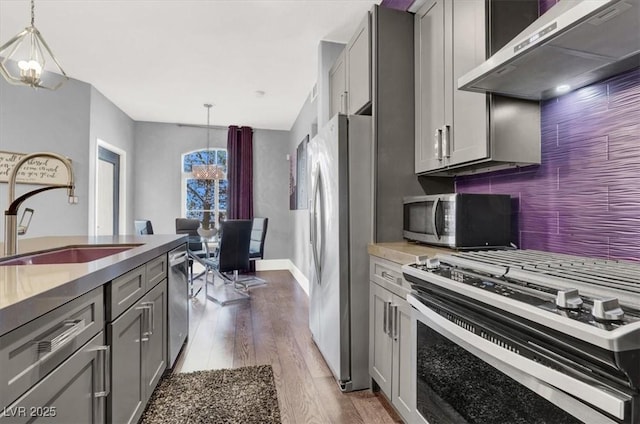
<point x="273" y="328"/>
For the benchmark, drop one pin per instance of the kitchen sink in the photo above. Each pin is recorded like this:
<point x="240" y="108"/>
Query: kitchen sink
<point x="68" y="255"/>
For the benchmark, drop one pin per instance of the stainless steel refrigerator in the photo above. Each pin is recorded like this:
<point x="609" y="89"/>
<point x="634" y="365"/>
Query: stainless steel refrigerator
<point x="341" y="226"/>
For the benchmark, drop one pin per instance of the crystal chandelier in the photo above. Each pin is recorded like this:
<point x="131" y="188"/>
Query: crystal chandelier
<point x="23" y="58"/>
<point x="209" y="171"/>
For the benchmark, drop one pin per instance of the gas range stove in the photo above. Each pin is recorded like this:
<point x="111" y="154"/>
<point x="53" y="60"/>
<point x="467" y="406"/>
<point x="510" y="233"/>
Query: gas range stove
<point x="595" y="300"/>
<point x="566" y="327"/>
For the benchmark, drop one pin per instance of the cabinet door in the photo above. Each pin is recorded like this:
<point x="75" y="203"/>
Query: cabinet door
<point x="128" y="339"/>
<point x="403" y="393"/>
<point x="69" y="394"/>
<point x="358" y="53"/>
<point x="430" y="85"/>
<point x="380" y="343"/>
<point x="338" y="86"/>
<point x="155" y="358"/>
<point x="466" y="130"/>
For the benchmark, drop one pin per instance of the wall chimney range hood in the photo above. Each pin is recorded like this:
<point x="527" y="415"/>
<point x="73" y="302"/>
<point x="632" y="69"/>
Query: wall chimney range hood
<point x="576" y="43"/>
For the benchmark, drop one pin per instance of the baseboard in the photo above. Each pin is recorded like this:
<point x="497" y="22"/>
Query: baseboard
<point x="300" y="277"/>
<point x="284" y="264"/>
<point x="272" y="264"/>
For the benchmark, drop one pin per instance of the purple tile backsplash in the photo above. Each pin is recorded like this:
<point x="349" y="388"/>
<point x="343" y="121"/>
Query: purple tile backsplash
<point x="585" y="196"/>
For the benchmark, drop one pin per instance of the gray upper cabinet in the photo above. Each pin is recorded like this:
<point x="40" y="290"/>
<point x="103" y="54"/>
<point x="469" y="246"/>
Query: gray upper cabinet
<point x="338" y="86"/>
<point x="430" y="88"/>
<point x="358" y="57"/>
<point x="459" y="132"/>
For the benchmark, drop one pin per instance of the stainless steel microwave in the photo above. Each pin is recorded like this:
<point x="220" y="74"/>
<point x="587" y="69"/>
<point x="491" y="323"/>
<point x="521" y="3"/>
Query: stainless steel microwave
<point x="459" y="220"/>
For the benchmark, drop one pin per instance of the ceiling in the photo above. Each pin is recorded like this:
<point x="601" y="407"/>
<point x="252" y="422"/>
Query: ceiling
<point x="161" y="60"/>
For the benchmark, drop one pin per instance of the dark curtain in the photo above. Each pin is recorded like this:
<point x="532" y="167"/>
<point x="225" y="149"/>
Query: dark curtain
<point x="240" y="172"/>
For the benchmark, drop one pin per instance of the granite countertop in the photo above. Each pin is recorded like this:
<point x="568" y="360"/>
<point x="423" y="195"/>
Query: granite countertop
<point x="404" y="252"/>
<point x="28" y="291"/>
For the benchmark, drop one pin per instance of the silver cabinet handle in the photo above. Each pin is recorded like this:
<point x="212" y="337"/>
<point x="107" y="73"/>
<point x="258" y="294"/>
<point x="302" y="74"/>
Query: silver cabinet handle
<point x="385" y="320"/>
<point x="395" y="322"/>
<point x="105" y="352"/>
<point x="388" y="277"/>
<point x="344" y="103"/>
<point x="446" y="141"/>
<point x="145" y="319"/>
<point x="390" y="333"/>
<point x="73" y="328"/>
<point x="151" y="322"/>
<point x="437" y="145"/>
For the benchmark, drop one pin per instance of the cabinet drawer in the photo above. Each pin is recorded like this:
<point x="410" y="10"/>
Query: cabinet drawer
<point x="156" y="270"/>
<point x="30" y="352"/>
<point x="125" y="290"/>
<point x="383" y="271"/>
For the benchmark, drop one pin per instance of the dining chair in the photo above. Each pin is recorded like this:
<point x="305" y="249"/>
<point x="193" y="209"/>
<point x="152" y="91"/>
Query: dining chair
<point x="143" y="226"/>
<point x="195" y="246"/>
<point x="258" y="235"/>
<point x="232" y="256"/>
<point x="256" y="248"/>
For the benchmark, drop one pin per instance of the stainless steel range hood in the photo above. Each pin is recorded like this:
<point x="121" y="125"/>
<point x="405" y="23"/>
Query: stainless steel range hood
<point x="572" y="45"/>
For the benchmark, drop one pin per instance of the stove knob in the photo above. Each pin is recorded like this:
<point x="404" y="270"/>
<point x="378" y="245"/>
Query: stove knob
<point x="607" y="309"/>
<point x="431" y="263"/>
<point x="568" y="299"/>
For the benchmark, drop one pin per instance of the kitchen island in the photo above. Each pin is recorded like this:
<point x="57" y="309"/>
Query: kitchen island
<point x="80" y="326"/>
<point x="28" y="291"/>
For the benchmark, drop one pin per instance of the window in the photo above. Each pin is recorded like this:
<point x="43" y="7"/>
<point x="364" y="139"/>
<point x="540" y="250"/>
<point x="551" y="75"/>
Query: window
<point x="205" y="200"/>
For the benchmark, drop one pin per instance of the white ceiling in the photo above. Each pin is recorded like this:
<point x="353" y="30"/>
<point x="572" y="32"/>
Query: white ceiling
<point x="160" y="60"/>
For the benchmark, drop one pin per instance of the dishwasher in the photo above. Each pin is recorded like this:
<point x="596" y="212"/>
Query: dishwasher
<point x="178" y="299"/>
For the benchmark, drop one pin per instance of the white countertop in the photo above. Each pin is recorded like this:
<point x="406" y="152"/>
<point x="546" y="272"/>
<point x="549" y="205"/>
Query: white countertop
<point x="28" y="291"/>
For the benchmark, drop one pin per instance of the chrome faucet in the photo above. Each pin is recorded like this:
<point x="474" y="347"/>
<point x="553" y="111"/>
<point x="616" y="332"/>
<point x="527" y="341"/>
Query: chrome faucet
<point x="11" y="214"/>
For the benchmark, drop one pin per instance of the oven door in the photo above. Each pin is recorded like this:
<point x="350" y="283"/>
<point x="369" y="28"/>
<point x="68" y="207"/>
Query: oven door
<point x="430" y="219"/>
<point x="462" y="377"/>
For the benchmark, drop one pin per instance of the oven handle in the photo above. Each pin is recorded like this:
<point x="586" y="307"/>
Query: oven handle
<point x="495" y="355"/>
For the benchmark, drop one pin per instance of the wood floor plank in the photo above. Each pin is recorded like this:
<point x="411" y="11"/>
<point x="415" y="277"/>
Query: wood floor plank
<point x="273" y="328"/>
<point x="244" y="353"/>
<point x="338" y="406"/>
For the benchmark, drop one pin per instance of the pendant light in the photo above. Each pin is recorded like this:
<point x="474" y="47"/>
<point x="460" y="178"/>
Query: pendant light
<point x="208" y="171"/>
<point x="23" y="58"/>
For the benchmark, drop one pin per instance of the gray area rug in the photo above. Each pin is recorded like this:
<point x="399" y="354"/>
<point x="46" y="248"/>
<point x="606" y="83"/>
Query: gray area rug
<point x="241" y="395"/>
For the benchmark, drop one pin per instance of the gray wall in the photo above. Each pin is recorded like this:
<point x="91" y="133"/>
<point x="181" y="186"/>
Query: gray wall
<point x="271" y="190"/>
<point x="111" y="125"/>
<point x="157" y="177"/>
<point x="299" y="219"/>
<point x="57" y="121"/>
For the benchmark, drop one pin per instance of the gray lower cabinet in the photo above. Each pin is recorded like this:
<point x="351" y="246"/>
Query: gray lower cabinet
<point x="55" y="368"/>
<point x="139" y="355"/>
<point x="390" y="336"/>
<point x="74" y="392"/>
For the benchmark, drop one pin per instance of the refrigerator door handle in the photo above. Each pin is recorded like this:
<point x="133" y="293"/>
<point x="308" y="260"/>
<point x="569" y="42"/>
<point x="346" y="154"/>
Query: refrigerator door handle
<point x="314" y="223"/>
